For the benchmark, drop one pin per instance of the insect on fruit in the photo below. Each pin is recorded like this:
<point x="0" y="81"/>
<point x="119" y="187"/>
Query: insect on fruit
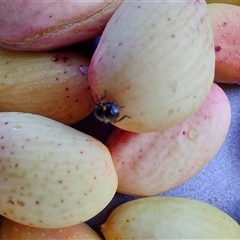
<point x="108" y="112"/>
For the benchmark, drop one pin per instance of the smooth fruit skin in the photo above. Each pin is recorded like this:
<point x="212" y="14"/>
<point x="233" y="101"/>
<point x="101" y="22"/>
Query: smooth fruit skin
<point x="152" y="163"/>
<point x="11" y="230"/>
<point x="155" y="60"/>
<point x="51" y="175"/>
<point x="225" y="20"/>
<point x="169" y="218"/>
<point x="28" y="25"/>
<point x="52" y="84"/>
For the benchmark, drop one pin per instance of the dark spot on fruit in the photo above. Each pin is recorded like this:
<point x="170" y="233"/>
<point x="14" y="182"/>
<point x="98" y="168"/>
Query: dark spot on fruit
<point x="37" y="202"/>
<point x="65" y="59"/>
<point x="119" y="44"/>
<point x="2" y="137"/>
<point x="6" y="123"/>
<point x="60" y="181"/>
<point x="3" y="147"/>
<point x="224" y="24"/>
<point x="20" y="203"/>
<point x="11" y="201"/>
<point x="217" y="48"/>
<point x="16" y="165"/>
<point x="183" y="132"/>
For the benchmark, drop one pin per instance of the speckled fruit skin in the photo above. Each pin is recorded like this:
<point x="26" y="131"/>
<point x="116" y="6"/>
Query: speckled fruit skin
<point x="225" y="20"/>
<point x="169" y="218"/>
<point x="152" y="163"/>
<point x="51" y="175"/>
<point x="44" y="25"/>
<point x="11" y="230"/>
<point x="50" y="84"/>
<point x="156" y="61"/>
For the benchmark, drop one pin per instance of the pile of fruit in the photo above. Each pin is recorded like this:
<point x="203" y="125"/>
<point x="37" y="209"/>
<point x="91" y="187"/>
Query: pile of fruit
<point x="152" y="78"/>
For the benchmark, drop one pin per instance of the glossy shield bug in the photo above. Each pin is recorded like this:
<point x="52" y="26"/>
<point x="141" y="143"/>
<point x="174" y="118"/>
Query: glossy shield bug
<point x="108" y="112"/>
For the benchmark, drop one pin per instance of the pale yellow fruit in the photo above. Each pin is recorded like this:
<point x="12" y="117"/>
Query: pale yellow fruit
<point x="169" y="218"/>
<point x="52" y="84"/>
<point x="11" y="230"/>
<point x="234" y="2"/>
<point x="152" y="163"/>
<point x="45" y="25"/>
<point x="156" y="60"/>
<point x="51" y="175"/>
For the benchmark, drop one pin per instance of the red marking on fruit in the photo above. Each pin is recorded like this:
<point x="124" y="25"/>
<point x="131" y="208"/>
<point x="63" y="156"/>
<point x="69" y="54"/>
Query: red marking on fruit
<point x="11" y="201"/>
<point x="20" y="203"/>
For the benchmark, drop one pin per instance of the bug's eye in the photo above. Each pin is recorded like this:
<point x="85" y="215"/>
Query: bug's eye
<point x="111" y="112"/>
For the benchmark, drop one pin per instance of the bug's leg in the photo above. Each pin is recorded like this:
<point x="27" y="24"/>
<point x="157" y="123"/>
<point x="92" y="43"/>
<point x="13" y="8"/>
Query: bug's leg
<point x="102" y="97"/>
<point x="120" y="119"/>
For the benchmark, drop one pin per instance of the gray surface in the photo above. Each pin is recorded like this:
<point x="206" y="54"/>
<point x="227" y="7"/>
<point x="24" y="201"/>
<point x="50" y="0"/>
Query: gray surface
<point x="217" y="184"/>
